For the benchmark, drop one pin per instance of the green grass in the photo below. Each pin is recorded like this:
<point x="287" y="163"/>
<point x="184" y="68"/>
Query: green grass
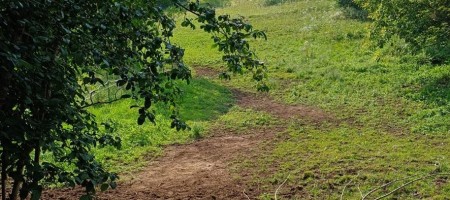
<point x="318" y="57"/>
<point x="319" y="161"/>
<point x="393" y="106"/>
<point x="202" y="102"/>
<point x="239" y="119"/>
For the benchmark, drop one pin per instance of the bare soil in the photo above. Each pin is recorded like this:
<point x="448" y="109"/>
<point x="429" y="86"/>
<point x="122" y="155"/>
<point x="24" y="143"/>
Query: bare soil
<point x="194" y="171"/>
<point x="206" y="72"/>
<point x="201" y="170"/>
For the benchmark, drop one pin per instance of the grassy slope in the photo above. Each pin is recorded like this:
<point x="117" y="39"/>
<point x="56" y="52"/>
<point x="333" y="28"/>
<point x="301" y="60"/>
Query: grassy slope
<point x="394" y="110"/>
<point x="393" y="105"/>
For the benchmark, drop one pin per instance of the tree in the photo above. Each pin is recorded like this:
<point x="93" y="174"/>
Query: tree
<point x="423" y="24"/>
<point x="51" y="51"/>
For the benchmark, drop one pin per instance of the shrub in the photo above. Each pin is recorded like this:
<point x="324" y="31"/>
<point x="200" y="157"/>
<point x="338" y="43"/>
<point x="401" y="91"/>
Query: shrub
<point x="424" y="24"/>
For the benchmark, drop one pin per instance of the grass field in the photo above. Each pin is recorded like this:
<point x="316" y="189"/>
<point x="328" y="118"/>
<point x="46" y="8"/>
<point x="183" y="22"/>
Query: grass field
<point x="393" y="105"/>
<point x="393" y="108"/>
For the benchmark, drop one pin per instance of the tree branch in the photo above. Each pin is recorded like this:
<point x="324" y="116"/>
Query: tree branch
<point x="343" y="190"/>
<point x="101" y="103"/>
<point x="186" y="8"/>
<point x="279" y="187"/>
<point x="406" y="184"/>
<point x="382" y="186"/>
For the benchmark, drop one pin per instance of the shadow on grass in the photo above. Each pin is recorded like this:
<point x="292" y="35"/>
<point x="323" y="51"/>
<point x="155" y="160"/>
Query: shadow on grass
<point x="436" y="91"/>
<point x="204" y="100"/>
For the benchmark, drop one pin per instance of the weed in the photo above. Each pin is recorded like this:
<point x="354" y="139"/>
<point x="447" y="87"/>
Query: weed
<point x="197" y="132"/>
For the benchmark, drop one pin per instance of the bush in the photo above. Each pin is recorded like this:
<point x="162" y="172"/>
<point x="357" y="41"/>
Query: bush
<point x="424" y="24"/>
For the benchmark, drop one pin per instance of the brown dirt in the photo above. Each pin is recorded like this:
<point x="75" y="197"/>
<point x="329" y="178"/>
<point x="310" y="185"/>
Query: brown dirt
<point x="206" y="72"/>
<point x="263" y="102"/>
<point x="194" y="171"/>
<point x="200" y="170"/>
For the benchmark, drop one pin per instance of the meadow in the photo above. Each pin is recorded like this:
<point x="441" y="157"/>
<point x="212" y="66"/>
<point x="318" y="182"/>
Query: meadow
<point x="390" y="106"/>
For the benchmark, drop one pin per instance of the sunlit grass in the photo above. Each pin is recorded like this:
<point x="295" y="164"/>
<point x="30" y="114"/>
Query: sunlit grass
<point x="240" y="119"/>
<point x="319" y="162"/>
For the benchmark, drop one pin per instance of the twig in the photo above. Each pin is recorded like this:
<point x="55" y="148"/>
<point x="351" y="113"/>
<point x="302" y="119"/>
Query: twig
<point x="246" y="195"/>
<point x="186" y="8"/>
<point x="276" y="191"/>
<point x="360" y="192"/>
<point x="384" y="185"/>
<point x="400" y="187"/>
<point x="404" y="185"/>
<point x="101" y="102"/>
<point x="343" y="190"/>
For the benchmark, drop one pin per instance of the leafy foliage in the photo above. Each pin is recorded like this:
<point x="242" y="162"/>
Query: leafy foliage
<point x="52" y="52"/>
<point x="424" y="24"/>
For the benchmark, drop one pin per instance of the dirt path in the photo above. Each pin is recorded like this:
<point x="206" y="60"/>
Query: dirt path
<point x="200" y="170"/>
<point x="194" y="171"/>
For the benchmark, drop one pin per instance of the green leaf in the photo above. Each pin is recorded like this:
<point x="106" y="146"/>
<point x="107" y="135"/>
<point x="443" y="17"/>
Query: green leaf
<point x="86" y="80"/>
<point x="141" y="119"/>
<point x="104" y="187"/>
<point x="125" y="96"/>
<point x="121" y="82"/>
<point x="147" y="102"/>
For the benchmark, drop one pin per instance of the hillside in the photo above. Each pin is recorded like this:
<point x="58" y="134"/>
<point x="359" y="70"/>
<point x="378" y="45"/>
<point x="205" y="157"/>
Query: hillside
<point x="343" y="119"/>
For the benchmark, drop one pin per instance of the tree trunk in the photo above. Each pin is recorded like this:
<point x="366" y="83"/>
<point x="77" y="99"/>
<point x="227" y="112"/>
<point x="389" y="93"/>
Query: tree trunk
<point x="17" y="183"/>
<point x="37" y="156"/>
<point x="4" y="176"/>
<point x="5" y="79"/>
